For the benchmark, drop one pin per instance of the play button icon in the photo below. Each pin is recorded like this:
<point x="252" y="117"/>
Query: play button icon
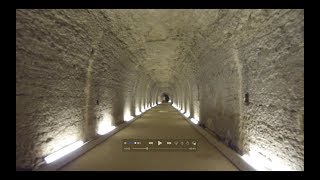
<point x="159" y="143"/>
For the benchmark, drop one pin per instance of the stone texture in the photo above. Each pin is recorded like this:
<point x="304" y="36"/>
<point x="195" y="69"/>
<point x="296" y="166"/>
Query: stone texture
<point x="78" y="67"/>
<point x="72" y="72"/>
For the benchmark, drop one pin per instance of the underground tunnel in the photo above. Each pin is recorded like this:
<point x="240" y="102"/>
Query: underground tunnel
<point x="236" y="75"/>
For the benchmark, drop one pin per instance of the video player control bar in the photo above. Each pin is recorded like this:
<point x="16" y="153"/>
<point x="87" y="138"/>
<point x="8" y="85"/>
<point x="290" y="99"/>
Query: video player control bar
<point x="159" y="145"/>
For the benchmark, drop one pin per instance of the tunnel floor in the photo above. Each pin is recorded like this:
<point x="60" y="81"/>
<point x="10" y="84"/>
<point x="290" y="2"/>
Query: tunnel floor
<point x="160" y="122"/>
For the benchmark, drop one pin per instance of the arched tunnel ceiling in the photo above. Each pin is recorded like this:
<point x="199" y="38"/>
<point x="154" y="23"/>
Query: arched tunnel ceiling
<point x="160" y="38"/>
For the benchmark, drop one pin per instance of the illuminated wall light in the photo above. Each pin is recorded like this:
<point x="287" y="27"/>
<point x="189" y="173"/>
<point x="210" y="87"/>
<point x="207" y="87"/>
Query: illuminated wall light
<point x="128" y="117"/>
<point x="196" y="117"/>
<point x="137" y="112"/>
<point x="105" y="127"/>
<point x="278" y="165"/>
<point x="62" y="152"/>
<point x="255" y="161"/>
<point x="260" y="163"/>
<point x="175" y="106"/>
<point x="169" y="101"/>
<point x="187" y="114"/>
<point x="194" y="121"/>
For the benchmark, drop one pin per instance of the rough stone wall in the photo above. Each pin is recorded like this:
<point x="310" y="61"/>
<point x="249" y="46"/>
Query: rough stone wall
<point x="273" y="76"/>
<point x="259" y="52"/>
<point x="72" y="72"/>
<point x="219" y="96"/>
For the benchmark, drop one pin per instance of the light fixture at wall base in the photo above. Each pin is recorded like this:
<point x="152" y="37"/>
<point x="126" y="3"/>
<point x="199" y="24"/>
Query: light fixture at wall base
<point x="194" y="121"/>
<point x="62" y="152"/>
<point x="261" y="163"/>
<point x="128" y="118"/>
<point x="105" y="129"/>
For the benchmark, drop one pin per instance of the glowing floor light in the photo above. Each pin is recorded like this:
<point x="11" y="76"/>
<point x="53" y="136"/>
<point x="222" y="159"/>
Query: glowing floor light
<point x="194" y="121"/>
<point x="260" y="163"/>
<point x="175" y="106"/>
<point x="105" y="127"/>
<point x="254" y="163"/>
<point x="62" y="152"/>
<point x="128" y="118"/>
<point x="137" y="112"/>
<point x="187" y="114"/>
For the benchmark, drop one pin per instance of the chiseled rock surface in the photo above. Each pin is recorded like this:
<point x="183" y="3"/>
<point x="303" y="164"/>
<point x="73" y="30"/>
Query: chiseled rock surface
<point x="76" y="68"/>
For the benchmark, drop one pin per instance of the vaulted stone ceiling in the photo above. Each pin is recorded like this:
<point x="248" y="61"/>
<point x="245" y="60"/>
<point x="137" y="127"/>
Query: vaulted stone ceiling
<point x="161" y="38"/>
